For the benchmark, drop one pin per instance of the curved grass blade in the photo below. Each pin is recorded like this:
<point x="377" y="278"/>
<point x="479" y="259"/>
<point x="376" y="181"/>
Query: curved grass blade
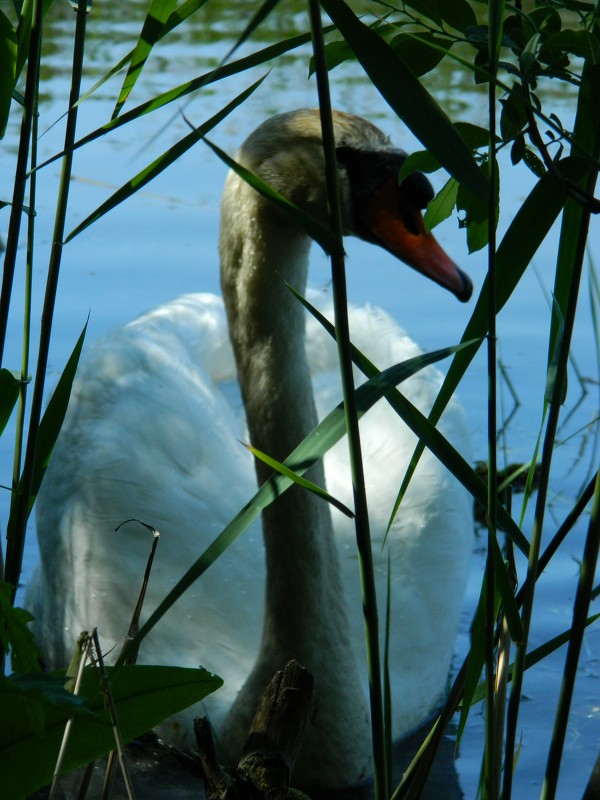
<point x="277" y="466"/>
<point x="317" y="443"/>
<point x="224" y="71"/>
<point x="429" y="436"/>
<point x="408" y="98"/>
<point x="8" y="67"/>
<point x="259" y="16"/>
<point x="152" y="31"/>
<point x="318" y="232"/>
<point x="520" y="243"/>
<point x="161" y="163"/>
<point x="53" y="418"/>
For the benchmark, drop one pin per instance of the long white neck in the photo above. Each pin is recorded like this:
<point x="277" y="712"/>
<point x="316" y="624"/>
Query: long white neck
<point x="305" y="615"/>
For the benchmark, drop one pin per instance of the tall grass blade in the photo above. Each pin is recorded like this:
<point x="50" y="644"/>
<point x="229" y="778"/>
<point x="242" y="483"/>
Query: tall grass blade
<point x="8" y="68"/>
<point x="152" y="31"/>
<point x="20" y="181"/>
<point x="327" y="433"/>
<point x="430" y="437"/>
<point x="520" y="243"/>
<point x="21" y="506"/>
<point x="161" y="163"/>
<point x="172" y="95"/>
<point x="408" y="97"/>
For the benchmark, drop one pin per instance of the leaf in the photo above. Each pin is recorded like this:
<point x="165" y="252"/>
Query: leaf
<point x="427" y="433"/>
<point x="144" y="696"/>
<point x="225" y="71"/>
<point x="16" y="636"/>
<point x="420" y="161"/>
<point x="9" y="393"/>
<point x="519" y="244"/>
<point x="54" y="416"/>
<point x="535" y="164"/>
<point x="581" y="43"/>
<point x="152" y="31"/>
<point x="8" y="68"/>
<point x="161" y="163"/>
<point x="442" y="205"/>
<point x="408" y="98"/>
<point x="458" y="14"/>
<point x="277" y="466"/>
<point x="417" y="52"/>
<point x="324" y="237"/>
<point x="474" y="135"/>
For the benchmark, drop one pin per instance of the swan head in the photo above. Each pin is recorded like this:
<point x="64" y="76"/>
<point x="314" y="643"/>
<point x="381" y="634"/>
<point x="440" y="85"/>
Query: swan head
<point x="286" y="151"/>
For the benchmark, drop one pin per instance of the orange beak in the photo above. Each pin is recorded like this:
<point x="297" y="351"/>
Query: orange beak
<point x="386" y="218"/>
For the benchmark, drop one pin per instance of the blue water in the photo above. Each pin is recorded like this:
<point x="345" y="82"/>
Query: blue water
<point x="162" y="243"/>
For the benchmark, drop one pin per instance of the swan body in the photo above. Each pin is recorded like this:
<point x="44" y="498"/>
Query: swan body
<point x="153" y="432"/>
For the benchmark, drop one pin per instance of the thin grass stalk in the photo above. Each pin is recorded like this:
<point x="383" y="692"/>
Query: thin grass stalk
<point x="16" y="211"/>
<point x="574" y="232"/>
<point x="496" y="15"/>
<point x="25" y="349"/>
<point x="580" y="613"/>
<point x="18" y="521"/>
<point x="340" y="303"/>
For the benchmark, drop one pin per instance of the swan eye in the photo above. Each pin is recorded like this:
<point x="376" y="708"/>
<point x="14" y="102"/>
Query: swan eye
<point x="368" y="170"/>
<point x="417" y="190"/>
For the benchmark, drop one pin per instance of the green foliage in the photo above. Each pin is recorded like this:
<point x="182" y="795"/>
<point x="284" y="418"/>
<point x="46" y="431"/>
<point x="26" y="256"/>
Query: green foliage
<point x="144" y="696"/>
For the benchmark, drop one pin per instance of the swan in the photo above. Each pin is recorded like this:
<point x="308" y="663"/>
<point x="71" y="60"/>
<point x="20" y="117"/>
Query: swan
<point x="153" y="432"/>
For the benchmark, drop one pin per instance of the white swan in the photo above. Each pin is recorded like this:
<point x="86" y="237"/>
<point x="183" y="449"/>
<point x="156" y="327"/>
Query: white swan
<point x="153" y="432"/>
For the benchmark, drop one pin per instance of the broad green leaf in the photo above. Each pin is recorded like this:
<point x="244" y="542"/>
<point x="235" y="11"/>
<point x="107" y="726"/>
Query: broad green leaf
<point x="161" y="163"/>
<point x="9" y="393"/>
<point x="474" y="135"/>
<point x="408" y="98"/>
<point x="8" y="68"/>
<point x="458" y="14"/>
<point x="16" y="636"/>
<point x="582" y="43"/>
<point x="427" y="8"/>
<point x="417" y="51"/>
<point x="420" y="161"/>
<point x="534" y="162"/>
<point x="144" y="696"/>
<point x="152" y="31"/>
<point x="329" y="431"/>
<point x="442" y="205"/>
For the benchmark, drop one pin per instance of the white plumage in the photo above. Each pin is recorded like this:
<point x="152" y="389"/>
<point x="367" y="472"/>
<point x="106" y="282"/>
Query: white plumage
<point x="153" y="432"/>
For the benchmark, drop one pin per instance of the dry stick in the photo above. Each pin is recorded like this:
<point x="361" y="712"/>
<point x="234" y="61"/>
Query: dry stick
<point x="131" y="653"/>
<point x="110" y="702"/>
<point x="80" y="657"/>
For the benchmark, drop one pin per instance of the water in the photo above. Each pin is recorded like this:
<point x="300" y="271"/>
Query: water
<point x="162" y="243"/>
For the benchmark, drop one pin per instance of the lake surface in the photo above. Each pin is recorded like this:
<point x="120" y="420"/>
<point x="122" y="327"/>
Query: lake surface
<point x="162" y="243"/>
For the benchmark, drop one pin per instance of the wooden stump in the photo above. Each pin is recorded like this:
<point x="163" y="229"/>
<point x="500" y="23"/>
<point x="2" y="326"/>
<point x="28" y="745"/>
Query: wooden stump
<point x="272" y="746"/>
